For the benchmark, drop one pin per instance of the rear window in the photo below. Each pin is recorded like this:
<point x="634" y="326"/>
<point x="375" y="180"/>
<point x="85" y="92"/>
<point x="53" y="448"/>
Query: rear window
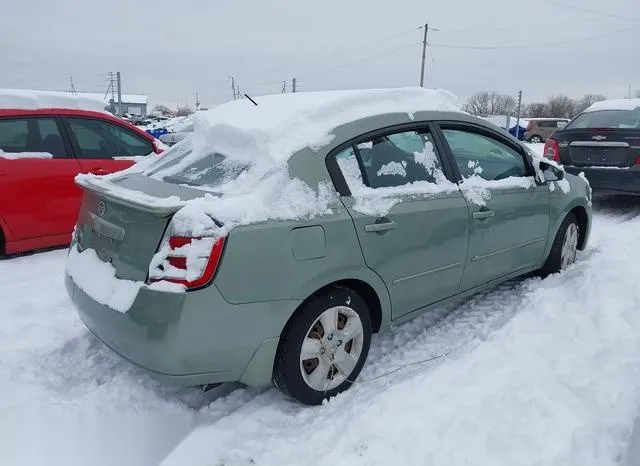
<point x="607" y="119"/>
<point x="210" y="171"/>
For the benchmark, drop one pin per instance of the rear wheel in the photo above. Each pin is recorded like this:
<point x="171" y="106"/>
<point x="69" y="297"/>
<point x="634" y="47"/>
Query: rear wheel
<point x="564" y="248"/>
<point x="535" y="139"/>
<point x="324" y="346"/>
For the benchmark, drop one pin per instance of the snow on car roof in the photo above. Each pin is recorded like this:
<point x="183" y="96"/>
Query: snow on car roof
<point x="34" y="100"/>
<point x="282" y="124"/>
<point x="615" y="104"/>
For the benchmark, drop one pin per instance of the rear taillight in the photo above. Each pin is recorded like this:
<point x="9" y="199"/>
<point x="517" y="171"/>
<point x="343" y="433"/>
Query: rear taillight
<point x="551" y="149"/>
<point x="529" y="126"/>
<point x="191" y="262"/>
<point x="637" y="162"/>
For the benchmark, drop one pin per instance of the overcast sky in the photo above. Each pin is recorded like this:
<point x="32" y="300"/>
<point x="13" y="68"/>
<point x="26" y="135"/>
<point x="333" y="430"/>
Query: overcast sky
<point x="169" y="50"/>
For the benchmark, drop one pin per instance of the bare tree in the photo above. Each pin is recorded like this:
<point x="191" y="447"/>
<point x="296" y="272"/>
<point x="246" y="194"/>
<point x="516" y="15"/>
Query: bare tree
<point x="561" y="106"/>
<point x="163" y="109"/>
<point x="501" y="104"/>
<point x="478" y="104"/>
<point x="587" y="101"/>
<point x="536" y="110"/>
<point x="183" y="111"/>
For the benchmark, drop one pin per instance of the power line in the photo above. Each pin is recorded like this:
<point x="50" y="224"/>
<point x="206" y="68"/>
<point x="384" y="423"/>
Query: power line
<point x="333" y="55"/>
<point x="362" y="60"/>
<point x="520" y="27"/>
<point x="523" y="46"/>
<point x="589" y="10"/>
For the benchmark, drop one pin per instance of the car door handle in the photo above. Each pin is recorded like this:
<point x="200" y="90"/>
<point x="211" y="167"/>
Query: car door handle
<point x="376" y="227"/>
<point x="483" y="214"/>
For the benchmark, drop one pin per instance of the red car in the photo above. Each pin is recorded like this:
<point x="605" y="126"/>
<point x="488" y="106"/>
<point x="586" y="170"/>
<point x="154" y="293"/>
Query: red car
<point x="41" y="151"/>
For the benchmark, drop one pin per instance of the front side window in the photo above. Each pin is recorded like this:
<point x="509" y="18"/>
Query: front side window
<point x="392" y="160"/>
<point x="486" y="157"/>
<point x="97" y="139"/>
<point x="31" y="135"/>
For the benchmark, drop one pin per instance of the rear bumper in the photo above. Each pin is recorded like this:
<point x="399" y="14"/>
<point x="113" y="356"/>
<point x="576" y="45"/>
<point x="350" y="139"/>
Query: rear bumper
<point x="192" y="338"/>
<point x="613" y="180"/>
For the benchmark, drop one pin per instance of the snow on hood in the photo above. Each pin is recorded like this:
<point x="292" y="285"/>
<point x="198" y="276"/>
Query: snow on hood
<point x="282" y="124"/>
<point x="615" y="104"/>
<point x="34" y="100"/>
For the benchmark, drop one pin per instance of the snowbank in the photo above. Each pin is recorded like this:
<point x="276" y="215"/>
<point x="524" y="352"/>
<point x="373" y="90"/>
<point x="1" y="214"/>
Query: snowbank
<point x="615" y="104"/>
<point x="33" y="100"/>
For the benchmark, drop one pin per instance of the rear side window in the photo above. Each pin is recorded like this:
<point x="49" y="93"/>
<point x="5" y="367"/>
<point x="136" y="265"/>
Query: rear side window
<point x="619" y="119"/>
<point x="31" y="135"/>
<point x="391" y="160"/>
<point x="98" y="139"/>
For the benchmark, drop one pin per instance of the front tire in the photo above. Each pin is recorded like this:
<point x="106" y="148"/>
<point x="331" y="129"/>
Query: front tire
<point x="564" y="248"/>
<point x="324" y="346"/>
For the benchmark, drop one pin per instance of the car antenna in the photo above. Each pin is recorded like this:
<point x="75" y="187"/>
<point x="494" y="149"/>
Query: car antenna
<point x="254" y="102"/>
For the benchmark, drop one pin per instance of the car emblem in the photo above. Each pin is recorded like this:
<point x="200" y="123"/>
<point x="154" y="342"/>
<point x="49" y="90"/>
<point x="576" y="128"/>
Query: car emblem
<point x="102" y="208"/>
<point x="599" y="138"/>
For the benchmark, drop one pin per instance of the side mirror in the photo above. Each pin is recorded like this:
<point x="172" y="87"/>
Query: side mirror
<point x="551" y="173"/>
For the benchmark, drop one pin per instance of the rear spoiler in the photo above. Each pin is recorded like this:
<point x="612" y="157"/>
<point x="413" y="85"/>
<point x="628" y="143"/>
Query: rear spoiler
<point x="129" y="197"/>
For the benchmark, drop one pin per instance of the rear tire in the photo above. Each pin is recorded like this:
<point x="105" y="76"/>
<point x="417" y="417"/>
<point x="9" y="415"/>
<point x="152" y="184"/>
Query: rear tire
<point x="535" y="139"/>
<point x="564" y="247"/>
<point x="324" y="346"/>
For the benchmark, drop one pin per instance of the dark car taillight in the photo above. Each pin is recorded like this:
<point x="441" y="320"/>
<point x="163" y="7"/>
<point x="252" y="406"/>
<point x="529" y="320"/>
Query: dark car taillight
<point x="551" y="149"/>
<point x="637" y="162"/>
<point x="188" y="261"/>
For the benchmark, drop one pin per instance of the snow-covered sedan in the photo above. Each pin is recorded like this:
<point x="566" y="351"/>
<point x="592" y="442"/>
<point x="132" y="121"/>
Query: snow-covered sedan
<point x="271" y="244"/>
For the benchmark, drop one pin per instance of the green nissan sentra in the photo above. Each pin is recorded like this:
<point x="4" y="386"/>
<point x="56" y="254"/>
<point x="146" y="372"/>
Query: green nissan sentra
<point x="268" y="246"/>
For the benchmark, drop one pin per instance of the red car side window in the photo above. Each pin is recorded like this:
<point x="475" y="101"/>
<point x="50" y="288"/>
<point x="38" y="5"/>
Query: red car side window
<point x="97" y="139"/>
<point x="24" y="135"/>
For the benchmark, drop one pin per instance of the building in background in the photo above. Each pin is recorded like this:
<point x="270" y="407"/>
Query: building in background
<point x="135" y="104"/>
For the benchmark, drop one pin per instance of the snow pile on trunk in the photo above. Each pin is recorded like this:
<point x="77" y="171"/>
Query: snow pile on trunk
<point x="34" y="100"/>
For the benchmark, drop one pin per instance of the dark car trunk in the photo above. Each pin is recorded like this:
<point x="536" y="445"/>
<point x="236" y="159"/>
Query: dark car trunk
<point x="122" y="228"/>
<point x="598" y="147"/>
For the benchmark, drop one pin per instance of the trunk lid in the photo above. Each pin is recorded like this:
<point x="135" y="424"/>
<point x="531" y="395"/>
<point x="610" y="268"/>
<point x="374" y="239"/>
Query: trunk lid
<point x="124" y="220"/>
<point x="598" y="147"/>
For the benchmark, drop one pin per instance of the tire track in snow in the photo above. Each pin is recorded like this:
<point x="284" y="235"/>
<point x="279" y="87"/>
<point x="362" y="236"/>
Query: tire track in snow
<point x="271" y="430"/>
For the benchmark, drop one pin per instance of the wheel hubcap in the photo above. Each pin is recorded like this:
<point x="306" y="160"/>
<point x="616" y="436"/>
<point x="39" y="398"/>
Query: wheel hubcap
<point x="569" y="246"/>
<point x="331" y="348"/>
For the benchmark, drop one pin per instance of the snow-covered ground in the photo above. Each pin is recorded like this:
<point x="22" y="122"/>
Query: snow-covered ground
<point x="543" y="372"/>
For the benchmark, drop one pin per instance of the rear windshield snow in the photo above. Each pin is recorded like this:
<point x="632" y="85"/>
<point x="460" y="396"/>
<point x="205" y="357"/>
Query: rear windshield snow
<point x="211" y="170"/>
<point x="619" y="119"/>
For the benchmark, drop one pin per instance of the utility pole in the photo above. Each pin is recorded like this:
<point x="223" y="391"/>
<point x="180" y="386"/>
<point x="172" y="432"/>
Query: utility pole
<point x="233" y="87"/>
<point x="284" y="87"/>
<point x="424" y="53"/>
<point x="73" y="88"/>
<point x="294" y="85"/>
<point x="197" y="102"/>
<point x="518" y="114"/>
<point x="119" y="93"/>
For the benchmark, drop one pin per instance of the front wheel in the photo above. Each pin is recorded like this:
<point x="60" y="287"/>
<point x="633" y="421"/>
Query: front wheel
<point x="564" y="248"/>
<point x="324" y="346"/>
